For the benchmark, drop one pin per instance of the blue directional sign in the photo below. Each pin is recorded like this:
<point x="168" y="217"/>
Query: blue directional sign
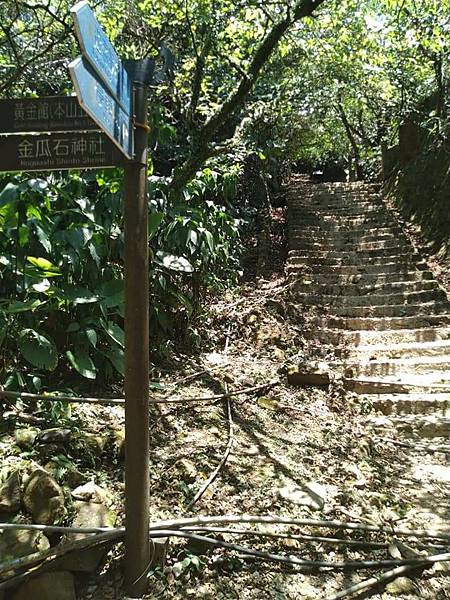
<point x="98" y="103"/>
<point x="100" y="53"/>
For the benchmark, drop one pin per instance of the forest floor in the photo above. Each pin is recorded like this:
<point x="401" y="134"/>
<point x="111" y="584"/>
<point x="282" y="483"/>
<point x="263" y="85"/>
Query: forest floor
<point x="295" y="452"/>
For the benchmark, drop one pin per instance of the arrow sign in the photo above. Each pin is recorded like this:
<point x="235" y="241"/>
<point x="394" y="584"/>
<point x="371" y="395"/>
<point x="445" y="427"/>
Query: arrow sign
<point x="98" y="103"/>
<point x="100" y="53"/>
<point x="56" y="151"/>
<point x="52" y="113"/>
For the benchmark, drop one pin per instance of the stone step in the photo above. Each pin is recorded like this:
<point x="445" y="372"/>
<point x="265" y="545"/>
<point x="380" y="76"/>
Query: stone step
<point x="336" y="224"/>
<point x="363" y="279"/>
<point x="326" y="214"/>
<point x="367" y="268"/>
<point x="384" y="310"/>
<point x="371" y="299"/>
<point x="426" y="427"/>
<point x="356" y="290"/>
<point x="398" y="350"/>
<point x="409" y="384"/>
<point x="411" y="404"/>
<point x="349" y="234"/>
<point x="392" y="244"/>
<point x="379" y="323"/>
<point x="354" y="253"/>
<point x="437" y="366"/>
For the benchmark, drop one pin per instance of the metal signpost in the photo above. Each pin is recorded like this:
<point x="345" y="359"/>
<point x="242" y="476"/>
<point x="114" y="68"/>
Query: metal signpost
<point x="106" y="126"/>
<point x="105" y="92"/>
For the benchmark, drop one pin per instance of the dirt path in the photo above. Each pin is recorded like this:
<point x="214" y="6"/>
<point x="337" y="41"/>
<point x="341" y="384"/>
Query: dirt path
<point x="314" y="452"/>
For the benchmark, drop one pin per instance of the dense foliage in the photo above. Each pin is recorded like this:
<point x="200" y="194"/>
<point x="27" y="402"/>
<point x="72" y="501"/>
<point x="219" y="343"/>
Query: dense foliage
<point x="313" y="82"/>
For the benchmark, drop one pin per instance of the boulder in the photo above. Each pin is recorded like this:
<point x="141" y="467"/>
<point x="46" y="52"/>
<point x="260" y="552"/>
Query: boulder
<point x="309" y="373"/>
<point x="10" y="495"/>
<point x="56" y="435"/>
<point x="43" y="498"/>
<point x="401" y="586"/>
<point x="88" y="514"/>
<point x="59" y="585"/>
<point x="15" y="543"/>
<point x="25" y="437"/>
<point x="91" y="492"/>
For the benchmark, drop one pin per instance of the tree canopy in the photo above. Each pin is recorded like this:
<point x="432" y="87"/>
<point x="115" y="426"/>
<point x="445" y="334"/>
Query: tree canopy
<point x="309" y="82"/>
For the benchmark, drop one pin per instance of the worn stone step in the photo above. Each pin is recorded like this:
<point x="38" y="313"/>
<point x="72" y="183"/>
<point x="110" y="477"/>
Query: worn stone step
<point x="367" y="268"/>
<point x="408" y="384"/>
<point x="392" y="244"/>
<point x="353" y="253"/>
<point x="307" y="286"/>
<point x="350" y="234"/>
<point x="411" y="404"/>
<point x="379" y="323"/>
<point x="410" y="426"/>
<point x="363" y="279"/>
<point x="337" y="224"/>
<point x="398" y="350"/>
<point x="401" y="367"/>
<point x="371" y="299"/>
<point x="385" y="311"/>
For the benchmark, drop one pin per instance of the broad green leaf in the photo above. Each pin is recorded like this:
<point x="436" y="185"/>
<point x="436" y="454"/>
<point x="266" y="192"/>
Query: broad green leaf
<point x="38" y="349"/>
<point x="117" y="358"/>
<point x="115" y="332"/>
<point x="75" y="294"/>
<point x="173" y="263"/>
<point x="17" y="306"/>
<point x="91" y="335"/>
<point x="154" y="221"/>
<point x="43" y="264"/>
<point x="9" y="193"/>
<point x="112" y="292"/>
<point x="82" y="362"/>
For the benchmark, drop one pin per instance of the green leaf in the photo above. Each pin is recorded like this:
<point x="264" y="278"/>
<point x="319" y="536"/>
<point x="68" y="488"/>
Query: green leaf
<point x="9" y="194"/>
<point x="38" y="349"/>
<point x="82" y="362"/>
<point x="91" y="335"/>
<point x="154" y="221"/>
<point x="117" y="358"/>
<point x="173" y="263"/>
<point x="112" y="292"/>
<point x="75" y="294"/>
<point x="43" y="264"/>
<point x="17" y="306"/>
<point x="115" y="332"/>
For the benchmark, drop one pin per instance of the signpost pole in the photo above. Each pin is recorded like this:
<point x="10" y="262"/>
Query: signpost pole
<point x="137" y="544"/>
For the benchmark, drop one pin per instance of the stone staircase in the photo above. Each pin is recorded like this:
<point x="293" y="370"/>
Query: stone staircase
<point x="375" y="299"/>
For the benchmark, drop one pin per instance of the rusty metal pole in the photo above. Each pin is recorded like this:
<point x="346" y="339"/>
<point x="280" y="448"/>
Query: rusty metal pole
<point x="137" y="543"/>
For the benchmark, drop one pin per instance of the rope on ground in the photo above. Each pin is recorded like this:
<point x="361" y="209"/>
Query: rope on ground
<point x="374" y="582"/>
<point x="228" y="447"/>
<point x="121" y="401"/>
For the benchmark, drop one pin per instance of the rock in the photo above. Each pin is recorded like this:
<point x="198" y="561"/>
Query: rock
<point x="58" y="585"/>
<point x="95" y="443"/>
<point x="25" y="437"/>
<point x="75" y="478"/>
<point x="15" y="543"/>
<point x="118" y="436"/>
<point x="10" y="495"/>
<point x="88" y="514"/>
<point x="310" y="494"/>
<point x="90" y="492"/>
<point x="43" y="498"/>
<point x="55" y="435"/>
<point x="188" y="470"/>
<point x="309" y="373"/>
<point x="401" y="586"/>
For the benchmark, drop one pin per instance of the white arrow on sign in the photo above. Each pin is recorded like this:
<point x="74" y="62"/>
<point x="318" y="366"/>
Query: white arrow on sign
<point x="100" y="105"/>
<point x="99" y="51"/>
